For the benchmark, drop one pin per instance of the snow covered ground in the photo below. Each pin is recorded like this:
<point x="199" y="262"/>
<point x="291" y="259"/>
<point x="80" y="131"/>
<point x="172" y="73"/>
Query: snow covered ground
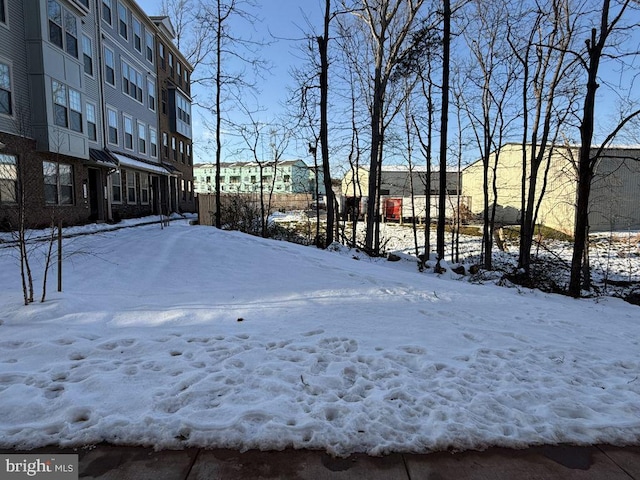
<point x="191" y="336"/>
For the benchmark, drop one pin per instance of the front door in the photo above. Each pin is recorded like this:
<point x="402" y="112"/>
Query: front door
<point x="155" y="195"/>
<point x="96" y="206"/>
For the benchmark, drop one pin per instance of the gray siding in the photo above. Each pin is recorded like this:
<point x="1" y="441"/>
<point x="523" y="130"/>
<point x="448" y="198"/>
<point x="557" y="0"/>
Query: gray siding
<point x="614" y="203"/>
<point x="115" y="97"/>
<point x="48" y="63"/>
<point x="92" y="83"/>
<point x="13" y="52"/>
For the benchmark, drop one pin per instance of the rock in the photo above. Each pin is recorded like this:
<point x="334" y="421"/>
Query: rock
<point x="459" y="270"/>
<point x="392" y="257"/>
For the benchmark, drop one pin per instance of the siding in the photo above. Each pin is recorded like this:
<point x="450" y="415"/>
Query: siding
<point x="115" y="97"/>
<point x="613" y="203"/>
<point x="13" y="52"/>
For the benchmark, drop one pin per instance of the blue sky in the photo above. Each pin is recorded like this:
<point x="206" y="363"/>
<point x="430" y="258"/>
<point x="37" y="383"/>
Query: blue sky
<point x="282" y="26"/>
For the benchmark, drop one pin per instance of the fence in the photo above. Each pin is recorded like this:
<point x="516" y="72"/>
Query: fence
<point x="281" y="202"/>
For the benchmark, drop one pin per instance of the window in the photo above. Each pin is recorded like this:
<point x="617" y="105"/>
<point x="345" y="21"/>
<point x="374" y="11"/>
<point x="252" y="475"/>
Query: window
<point x="109" y="66"/>
<point x="8" y="178"/>
<point x="137" y="35"/>
<point x="116" y="187"/>
<point x="3" y="12"/>
<point x="128" y="132"/>
<point x="186" y="77"/>
<point x="149" y="43"/>
<point x="142" y="138"/>
<point x="184" y="191"/>
<point x="112" y="121"/>
<point x="183" y="114"/>
<point x="131" y="82"/>
<point x="107" y="8"/>
<point x="162" y="61"/>
<point x="164" y="101"/>
<point x="165" y="143"/>
<point x="144" y="188"/>
<point x="153" y="142"/>
<point x="71" y="33"/>
<point x="92" y="128"/>
<point x="87" y="55"/>
<point x="189" y="153"/>
<point x="179" y="72"/>
<point x="171" y="64"/>
<point x="85" y="3"/>
<point x="60" y="105"/>
<point x="75" y="112"/>
<point x="67" y="107"/>
<point x="123" y="21"/>
<point x="58" y="183"/>
<point x="56" y="15"/>
<point x="131" y="187"/>
<point x="5" y="90"/>
<point x="173" y="147"/>
<point x="55" y="22"/>
<point x="151" y="94"/>
<point x="181" y="151"/>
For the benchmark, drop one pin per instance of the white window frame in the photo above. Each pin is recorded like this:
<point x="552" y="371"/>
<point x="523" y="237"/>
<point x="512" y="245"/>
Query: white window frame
<point x="87" y="42"/>
<point x="144" y="188"/>
<point x="8" y="178"/>
<point x="92" y="120"/>
<point x="107" y="5"/>
<point x="75" y="110"/>
<point x="109" y="52"/>
<point x="123" y="8"/>
<point x="6" y="86"/>
<point x="127" y="121"/>
<point x="110" y="117"/>
<point x="142" y="141"/>
<point x="149" y="48"/>
<point x="116" y="185"/>
<point x="139" y="35"/>
<point x="152" y="97"/>
<point x="153" y="142"/>
<point x="130" y="174"/>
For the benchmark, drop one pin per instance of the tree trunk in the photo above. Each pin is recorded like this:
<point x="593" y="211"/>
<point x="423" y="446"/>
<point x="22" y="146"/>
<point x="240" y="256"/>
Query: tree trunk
<point x="446" y="40"/>
<point x="324" y="131"/>
<point x="218" y="215"/>
<point x="585" y="169"/>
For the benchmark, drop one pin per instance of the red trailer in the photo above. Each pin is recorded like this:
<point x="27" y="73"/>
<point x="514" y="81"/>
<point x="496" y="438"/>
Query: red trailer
<point x="393" y="209"/>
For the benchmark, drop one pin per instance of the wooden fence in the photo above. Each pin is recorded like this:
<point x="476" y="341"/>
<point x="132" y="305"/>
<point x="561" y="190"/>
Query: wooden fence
<point x="280" y="202"/>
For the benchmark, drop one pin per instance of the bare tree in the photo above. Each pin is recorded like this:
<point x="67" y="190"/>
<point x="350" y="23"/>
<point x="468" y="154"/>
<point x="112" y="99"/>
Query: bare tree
<point x="444" y="125"/>
<point x="215" y="35"/>
<point x="323" y="43"/>
<point x="599" y="40"/>
<point x="492" y="73"/>
<point x="546" y="80"/>
<point x="388" y="23"/>
<point x="254" y="135"/>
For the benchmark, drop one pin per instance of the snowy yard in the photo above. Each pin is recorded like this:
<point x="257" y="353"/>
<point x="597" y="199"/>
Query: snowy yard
<point x="191" y="336"/>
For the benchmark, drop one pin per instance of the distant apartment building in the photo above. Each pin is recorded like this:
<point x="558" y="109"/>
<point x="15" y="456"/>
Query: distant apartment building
<point x="80" y="118"/>
<point x="290" y="176"/>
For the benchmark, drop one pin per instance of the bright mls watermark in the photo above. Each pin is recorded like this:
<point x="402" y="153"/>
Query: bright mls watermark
<point x="39" y="466"/>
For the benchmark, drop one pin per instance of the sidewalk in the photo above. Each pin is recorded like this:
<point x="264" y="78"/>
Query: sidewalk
<point x="107" y="462"/>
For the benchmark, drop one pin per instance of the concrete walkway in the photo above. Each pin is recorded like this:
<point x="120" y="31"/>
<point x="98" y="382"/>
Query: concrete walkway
<point x="107" y="462"/>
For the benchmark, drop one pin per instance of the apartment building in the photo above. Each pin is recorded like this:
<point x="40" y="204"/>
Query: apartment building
<point x="79" y="113"/>
<point x="174" y="85"/>
<point x="290" y="176"/>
